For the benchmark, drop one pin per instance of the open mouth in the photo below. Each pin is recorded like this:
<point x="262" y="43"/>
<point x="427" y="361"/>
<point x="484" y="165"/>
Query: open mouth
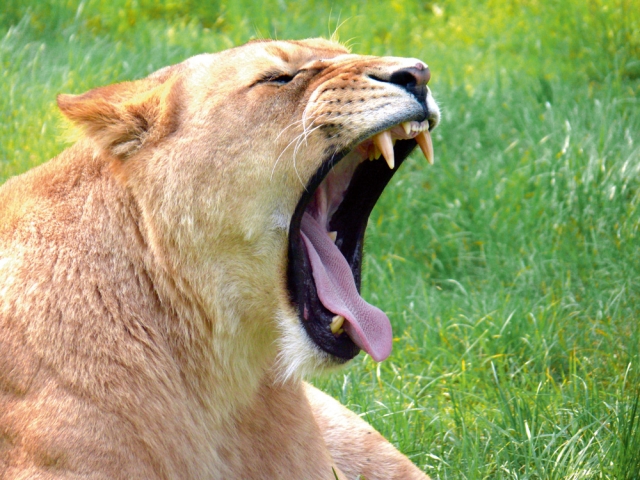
<point x="326" y="239"/>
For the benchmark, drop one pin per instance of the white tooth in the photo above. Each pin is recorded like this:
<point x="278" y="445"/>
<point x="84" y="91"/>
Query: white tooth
<point x="424" y="140"/>
<point x="384" y="143"/>
<point x="333" y="236"/>
<point x="336" y="324"/>
<point x="407" y="127"/>
<point x="376" y="151"/>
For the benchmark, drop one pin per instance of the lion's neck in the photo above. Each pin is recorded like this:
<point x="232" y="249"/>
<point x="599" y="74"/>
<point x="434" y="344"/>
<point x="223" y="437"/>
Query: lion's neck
<point x="213" y="355"/>
<point x="223" y="357"/>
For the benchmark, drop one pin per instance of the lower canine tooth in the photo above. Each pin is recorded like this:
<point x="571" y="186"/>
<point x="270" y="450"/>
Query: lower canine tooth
<point x="333" y="236"/>
<point x="424" y="140"/>
<point x="336" y="323"/>
<point x="384" y="143"/>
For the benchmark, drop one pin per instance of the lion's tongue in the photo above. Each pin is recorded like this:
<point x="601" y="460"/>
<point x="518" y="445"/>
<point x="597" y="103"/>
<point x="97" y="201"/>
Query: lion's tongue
<point x="368" y="326"/>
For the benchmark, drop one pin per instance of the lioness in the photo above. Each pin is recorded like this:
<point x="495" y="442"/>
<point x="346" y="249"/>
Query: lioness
<point x="167" y="281"/>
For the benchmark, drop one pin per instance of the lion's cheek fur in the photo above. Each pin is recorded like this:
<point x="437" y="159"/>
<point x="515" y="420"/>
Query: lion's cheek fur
<point x="225" y="257"/>
<point x="223" y="249"/>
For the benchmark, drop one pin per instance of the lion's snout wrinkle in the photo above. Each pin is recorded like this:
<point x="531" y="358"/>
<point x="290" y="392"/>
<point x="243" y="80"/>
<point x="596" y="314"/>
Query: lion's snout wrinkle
<point x="155" y="282"/>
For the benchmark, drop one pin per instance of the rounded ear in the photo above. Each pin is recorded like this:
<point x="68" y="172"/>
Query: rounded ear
<point x="125" y="117"/>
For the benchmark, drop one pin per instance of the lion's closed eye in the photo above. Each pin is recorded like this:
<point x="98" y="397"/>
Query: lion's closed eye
<point x="277" y="78"/>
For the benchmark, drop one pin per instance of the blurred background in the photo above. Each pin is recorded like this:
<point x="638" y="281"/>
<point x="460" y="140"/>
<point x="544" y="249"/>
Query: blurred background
<point x="510" y="269"/>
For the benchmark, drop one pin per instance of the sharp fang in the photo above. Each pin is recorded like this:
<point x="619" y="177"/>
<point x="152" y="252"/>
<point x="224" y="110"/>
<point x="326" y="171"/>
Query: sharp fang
<point x="333" y="236"/>
<point x="424" y="140"/>
<point x="407" y="127"/>
<point x="336" y="323"/>
<point x="384" y="143"/>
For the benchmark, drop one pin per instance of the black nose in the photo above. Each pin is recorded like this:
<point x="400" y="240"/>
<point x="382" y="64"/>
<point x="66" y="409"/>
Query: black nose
<point x="411" y="78"/>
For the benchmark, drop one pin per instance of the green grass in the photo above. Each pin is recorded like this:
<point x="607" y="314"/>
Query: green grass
<point x="510" y="269"/>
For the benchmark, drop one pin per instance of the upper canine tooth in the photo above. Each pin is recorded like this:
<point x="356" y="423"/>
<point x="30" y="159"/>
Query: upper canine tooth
<point x="407" y="127"/>
<point x="424" y="140"/>
<point x="336" y="323"/>
<point x="384" y="143"/>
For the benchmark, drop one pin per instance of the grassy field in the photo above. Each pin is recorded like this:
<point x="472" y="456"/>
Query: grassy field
<point x="510" y="269"/>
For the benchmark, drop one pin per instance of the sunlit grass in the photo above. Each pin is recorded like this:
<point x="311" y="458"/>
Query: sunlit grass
<point x="509" y="269"/>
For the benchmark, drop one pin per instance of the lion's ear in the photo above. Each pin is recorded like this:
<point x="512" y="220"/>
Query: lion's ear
<point x="125" y="117"/>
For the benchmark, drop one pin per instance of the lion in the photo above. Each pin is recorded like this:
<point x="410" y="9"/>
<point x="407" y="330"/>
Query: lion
<point x="168" y="281"/>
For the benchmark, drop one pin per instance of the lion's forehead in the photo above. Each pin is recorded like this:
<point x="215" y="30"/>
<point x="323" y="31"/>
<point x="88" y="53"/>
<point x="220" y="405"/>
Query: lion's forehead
<point x="303" y="51"/>
<point x="250" y="61"/>
<point x="244" y="65"/>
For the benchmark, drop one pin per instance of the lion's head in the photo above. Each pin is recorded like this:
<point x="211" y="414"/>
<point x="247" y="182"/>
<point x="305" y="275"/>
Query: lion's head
<point x="256" y="170"/>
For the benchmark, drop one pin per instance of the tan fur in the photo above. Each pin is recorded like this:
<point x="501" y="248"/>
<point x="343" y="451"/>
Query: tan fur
<point x="145" y="326"/>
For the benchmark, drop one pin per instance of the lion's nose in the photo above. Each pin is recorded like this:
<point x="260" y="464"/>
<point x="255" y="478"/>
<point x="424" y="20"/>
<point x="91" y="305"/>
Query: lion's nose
<point x="412" y="77"/>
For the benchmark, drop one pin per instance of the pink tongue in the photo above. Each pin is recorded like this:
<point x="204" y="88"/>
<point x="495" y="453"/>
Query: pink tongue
<point x="368" y="326"/>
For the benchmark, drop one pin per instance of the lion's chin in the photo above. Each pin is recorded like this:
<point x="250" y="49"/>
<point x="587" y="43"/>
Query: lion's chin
<point x="298" y="356"/>
<point x="326" y="237"/>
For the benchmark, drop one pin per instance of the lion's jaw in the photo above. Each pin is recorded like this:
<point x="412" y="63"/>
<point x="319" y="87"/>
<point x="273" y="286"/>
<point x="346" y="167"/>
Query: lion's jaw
<point x="247" y="140"/>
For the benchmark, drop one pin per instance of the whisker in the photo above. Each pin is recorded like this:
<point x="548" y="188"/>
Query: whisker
<point x="288" y="127"/>
<point x="295" y="140"/>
